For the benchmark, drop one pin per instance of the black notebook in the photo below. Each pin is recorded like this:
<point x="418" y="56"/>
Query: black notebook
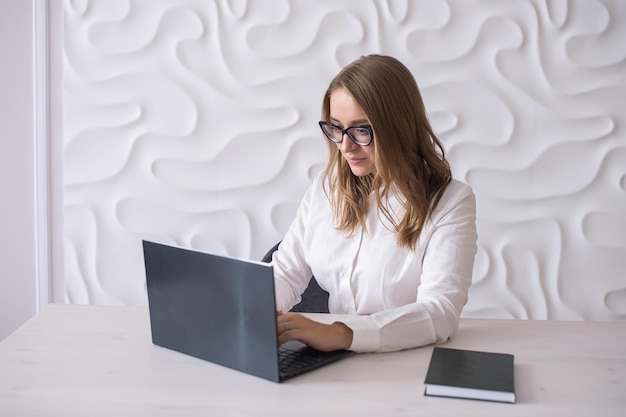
<point x="470" y="374"/>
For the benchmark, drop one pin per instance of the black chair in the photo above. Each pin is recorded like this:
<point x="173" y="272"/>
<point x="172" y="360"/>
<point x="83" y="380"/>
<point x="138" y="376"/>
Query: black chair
<point x="314" y="299"/>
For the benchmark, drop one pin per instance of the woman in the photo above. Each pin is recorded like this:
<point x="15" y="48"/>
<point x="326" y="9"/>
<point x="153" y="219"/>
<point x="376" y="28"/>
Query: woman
<point x="384" y="228"/>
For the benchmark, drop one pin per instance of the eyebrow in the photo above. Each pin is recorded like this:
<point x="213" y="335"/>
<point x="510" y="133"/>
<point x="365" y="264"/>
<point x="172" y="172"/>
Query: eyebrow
<point x="359" y="122"/>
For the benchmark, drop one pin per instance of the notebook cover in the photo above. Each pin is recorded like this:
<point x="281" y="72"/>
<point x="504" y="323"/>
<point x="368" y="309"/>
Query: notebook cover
<point x="471" y="374"/>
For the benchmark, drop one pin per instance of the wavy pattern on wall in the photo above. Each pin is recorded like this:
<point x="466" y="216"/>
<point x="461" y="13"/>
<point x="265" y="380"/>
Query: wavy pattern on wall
<point x="194" y="123"/>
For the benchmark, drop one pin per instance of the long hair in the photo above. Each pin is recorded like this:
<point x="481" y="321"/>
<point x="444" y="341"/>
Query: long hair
<point x="410" y="159"/>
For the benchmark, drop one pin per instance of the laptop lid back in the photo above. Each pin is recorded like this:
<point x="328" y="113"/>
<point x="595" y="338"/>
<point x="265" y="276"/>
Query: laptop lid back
<point x="215" y="308"/>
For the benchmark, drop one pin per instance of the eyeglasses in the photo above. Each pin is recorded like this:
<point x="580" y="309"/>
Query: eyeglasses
<point x="361" y="135"/>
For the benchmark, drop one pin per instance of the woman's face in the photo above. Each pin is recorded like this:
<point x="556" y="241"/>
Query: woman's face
<point x="345" y="112"/>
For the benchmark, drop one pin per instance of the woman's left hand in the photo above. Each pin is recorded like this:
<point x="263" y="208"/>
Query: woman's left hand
<point x="323" y="337"/>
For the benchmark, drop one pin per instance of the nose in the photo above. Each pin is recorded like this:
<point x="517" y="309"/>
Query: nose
<point x="347" y="145"/>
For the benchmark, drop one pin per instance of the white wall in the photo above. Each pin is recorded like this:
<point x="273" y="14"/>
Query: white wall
<point x="194" y="122"/>
<point x="19" y="293"/>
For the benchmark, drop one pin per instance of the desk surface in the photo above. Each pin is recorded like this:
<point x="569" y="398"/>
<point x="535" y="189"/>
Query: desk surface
<point x="88" y="360"/>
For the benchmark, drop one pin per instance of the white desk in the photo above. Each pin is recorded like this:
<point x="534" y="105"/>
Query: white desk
<point x="90" y="361"/>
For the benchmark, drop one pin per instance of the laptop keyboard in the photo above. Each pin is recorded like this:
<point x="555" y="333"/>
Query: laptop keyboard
<point x="292" y="362"/>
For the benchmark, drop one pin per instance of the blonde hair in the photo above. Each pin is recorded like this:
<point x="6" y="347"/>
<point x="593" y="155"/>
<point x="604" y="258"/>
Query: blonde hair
<point x="410" y="159"/>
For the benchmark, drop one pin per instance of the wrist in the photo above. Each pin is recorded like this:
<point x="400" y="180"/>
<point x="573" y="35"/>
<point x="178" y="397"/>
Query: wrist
<point x="344" y="335"/>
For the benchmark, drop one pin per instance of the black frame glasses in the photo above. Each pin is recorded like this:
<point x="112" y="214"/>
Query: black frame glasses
<point x="335" y="133"/>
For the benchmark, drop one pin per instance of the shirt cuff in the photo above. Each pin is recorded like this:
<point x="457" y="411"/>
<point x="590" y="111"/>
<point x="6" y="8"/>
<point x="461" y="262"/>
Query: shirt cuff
<point x="365" y="334"/>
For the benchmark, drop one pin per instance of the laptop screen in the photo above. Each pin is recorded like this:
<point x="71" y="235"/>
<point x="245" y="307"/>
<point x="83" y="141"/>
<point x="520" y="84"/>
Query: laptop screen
<point x="215" y="308"/>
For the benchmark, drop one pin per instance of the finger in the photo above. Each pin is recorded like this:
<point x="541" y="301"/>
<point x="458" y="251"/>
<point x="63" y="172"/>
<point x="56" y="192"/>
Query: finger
<point x="284" y="335"/>
<point x="283" y="325"/>
<point x="283" y="317"/>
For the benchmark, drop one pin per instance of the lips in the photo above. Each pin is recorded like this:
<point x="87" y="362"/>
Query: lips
<point x="354" y="160"/>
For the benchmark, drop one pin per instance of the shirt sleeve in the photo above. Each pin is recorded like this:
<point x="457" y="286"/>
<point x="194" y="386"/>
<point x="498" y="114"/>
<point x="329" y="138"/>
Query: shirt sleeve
<point x="450" y="247"/>
<point x="291" y="271"/>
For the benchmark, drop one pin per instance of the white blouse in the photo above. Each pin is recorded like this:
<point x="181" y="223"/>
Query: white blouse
<point x="391" y="297"/>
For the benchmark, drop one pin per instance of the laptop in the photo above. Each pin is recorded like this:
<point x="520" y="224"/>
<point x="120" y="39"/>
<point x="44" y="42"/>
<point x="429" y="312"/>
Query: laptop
<point x="222" y="310"/>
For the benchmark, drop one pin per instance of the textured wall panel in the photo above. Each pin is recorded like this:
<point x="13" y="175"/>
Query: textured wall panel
<point x="194" y="122"/>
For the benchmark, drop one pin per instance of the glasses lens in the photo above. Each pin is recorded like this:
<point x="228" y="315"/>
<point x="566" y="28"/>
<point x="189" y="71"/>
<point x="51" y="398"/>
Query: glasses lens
<point x="360" y="135"/>
<point x="332" y="132"/>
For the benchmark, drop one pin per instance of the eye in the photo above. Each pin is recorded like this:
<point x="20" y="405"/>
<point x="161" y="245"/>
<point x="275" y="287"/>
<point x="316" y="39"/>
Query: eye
<point x="362" y="132"/>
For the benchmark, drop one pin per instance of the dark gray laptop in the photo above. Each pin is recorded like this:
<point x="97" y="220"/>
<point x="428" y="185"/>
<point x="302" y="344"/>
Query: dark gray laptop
<point x="222" y="310"/>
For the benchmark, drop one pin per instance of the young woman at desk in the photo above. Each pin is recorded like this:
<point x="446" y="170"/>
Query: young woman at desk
<point x="384" y="228"/>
